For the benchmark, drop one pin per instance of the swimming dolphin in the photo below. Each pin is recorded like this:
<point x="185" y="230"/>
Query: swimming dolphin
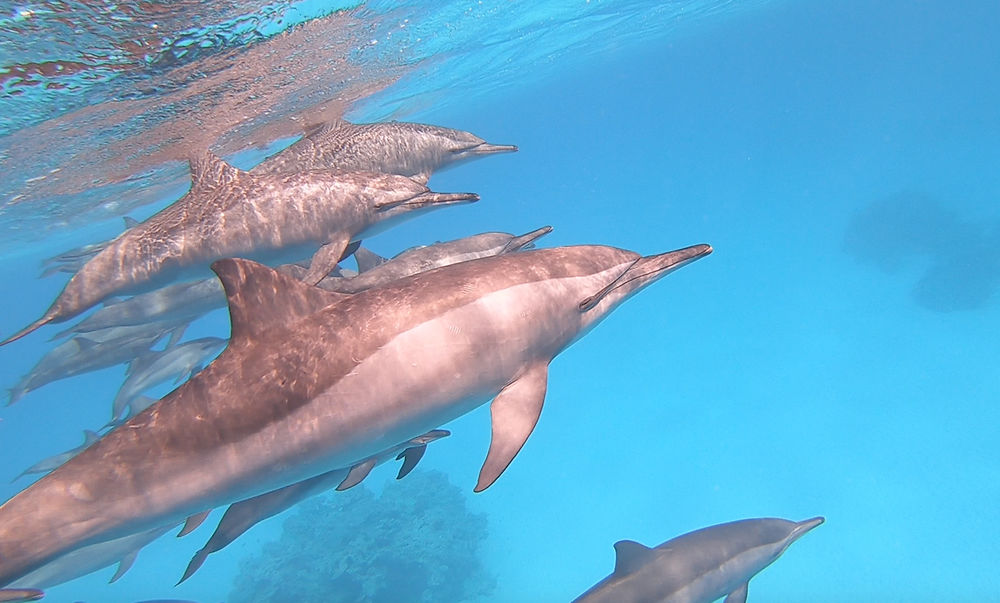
<point x="90" y="352"/>
<point x="243" y="515"/>
<point x="700" y="566"/>
<point x="177" y="362"/>
<point x="408" y="149"/>
<point x="428" y="257"/>
<point x="229" y="212"/>
<point x="314" y="380"/>
<point x="48" y="464"/>
<point x="91" y="558"/>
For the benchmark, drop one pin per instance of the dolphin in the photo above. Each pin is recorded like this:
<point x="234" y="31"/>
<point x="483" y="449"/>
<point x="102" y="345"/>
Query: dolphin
<point x="90" y="352"/>
<point x="428" y="257"/>
<point x="243" y="515"/>
<point x="91" y="558"/>
<point x="48" y="464"/>
<point x="177" y="362"/>
<point x="700" y="566"/>
<point x="314" y="380"/>
<point x="230" y="212"/>
<point x="408" y="149"/>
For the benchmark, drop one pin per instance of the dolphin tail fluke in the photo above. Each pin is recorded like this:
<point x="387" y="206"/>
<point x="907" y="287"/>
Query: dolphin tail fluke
<point x="194" y="564"/>
<point x="49" y="317"/>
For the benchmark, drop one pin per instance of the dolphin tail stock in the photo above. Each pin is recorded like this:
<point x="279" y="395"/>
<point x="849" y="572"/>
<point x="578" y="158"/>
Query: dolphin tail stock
<point x="44" y="320"/>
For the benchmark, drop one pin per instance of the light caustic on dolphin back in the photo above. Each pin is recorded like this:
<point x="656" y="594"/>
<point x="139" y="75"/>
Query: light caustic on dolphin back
<point x="314" y="380"/>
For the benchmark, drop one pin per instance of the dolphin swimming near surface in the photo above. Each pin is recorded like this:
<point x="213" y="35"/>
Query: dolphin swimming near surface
<point x="314" y="380"/>
<point x="243" y="515"/>
<point x="428" y="257"/>
<point x="177" y="362"/>
<point x="229" y="212"/>
<point x="408" y="149"/>
<point x="700" y="566"/>
<point x="90" y="352"/>
<point x="50" y="463"/>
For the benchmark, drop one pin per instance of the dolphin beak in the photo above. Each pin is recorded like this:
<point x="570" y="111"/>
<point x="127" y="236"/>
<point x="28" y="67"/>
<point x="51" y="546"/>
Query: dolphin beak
<point x="805" y="526"/>
<point x="665" y="263"/>
<point x="487" y="149"/>
<point x="527" y="240"/>
<point x="431" y="198"/>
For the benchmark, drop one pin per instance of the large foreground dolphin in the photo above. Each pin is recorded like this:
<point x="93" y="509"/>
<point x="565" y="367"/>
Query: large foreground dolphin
<point x="229" y="212"/>
<point x="314" y="380"/>
<point x="408" y="149"/>
<point x="700" y="566"/>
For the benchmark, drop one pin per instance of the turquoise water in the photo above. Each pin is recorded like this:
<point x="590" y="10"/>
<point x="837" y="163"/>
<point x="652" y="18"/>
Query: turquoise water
<point x="835" y="356"/>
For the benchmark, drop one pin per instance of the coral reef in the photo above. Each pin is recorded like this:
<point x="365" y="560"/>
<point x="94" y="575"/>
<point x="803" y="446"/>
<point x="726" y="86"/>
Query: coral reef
<point x="417" y="541"/>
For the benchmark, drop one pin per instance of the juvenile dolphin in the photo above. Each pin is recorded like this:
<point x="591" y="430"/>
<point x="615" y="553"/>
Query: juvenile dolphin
<point x="90" y="352"/>
<point x="48" y="464"/>
<point x="229" y="212"/>
<point x="243" y="515"/>
<point x="700" y="566"/>
<point x="177" y="362"/>
<point x="313" y="380"/>
<point x="428" y="257"/>
<point x="408" y="149"/>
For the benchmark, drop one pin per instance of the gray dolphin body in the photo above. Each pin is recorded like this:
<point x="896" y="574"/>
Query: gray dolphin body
<point x="90" y="352"/>
<point x="408" y="149"/>
<point x="91" y="558"/>
<point x="177" y="362"/>
<point x="700" y="566"/>
<point x="422" y="259"/>
<point x="314" y="380"/>
<point x="229" y="212"/>
<point x="14" y="595"/>
<point x="243" y="515"/>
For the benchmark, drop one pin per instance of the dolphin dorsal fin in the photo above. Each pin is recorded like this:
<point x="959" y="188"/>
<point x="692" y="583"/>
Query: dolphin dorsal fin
<point x="208" y="170"/>
<point x="323" y="128"/>
<point x="260" y="297"/>
<point x="630" y="556"/>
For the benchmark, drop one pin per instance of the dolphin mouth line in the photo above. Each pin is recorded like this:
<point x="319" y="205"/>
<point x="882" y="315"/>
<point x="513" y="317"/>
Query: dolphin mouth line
<point x="486" y="148"/>
<point x="619" y="281"/>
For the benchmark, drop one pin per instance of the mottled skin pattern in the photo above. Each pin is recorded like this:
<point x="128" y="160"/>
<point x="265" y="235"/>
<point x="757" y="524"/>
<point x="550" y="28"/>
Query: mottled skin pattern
<point x="407" y="149"/>
<point x="180" y="302"/>
<point x="245" y="514"/>
<point x="700" y="566"/>
<point x="231" y="213"/>
<point x="314" y="380"/>
<point x="422" y="259"/>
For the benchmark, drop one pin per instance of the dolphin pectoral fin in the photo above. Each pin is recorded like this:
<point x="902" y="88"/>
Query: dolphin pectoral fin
<point x="739" y="595"/>
<point x="358" y="473"/>
<point x="191" y="523"/>
<point x="175" y="336"/>
<point x="325" y="259"/>
<point x="124" y="565"/>
<point x="194" y="564"/>
<point x="514" y="413"/>
<point x="411" y="456"/>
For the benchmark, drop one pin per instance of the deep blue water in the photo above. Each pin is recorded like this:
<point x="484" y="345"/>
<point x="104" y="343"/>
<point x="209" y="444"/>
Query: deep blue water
<point x="835" y="356"/>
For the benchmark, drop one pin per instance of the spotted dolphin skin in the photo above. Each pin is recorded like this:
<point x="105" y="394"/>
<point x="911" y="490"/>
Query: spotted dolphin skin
<point x="229" y="212"/>
<point x="243" y="515"/>
<point x="407" y="149"/>
<point x="698" y="567"/>
<point x="313" y="380"/>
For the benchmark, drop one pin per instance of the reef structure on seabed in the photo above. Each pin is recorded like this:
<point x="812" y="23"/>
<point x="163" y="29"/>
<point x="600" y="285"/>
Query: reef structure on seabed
<point x="417" y="541"/>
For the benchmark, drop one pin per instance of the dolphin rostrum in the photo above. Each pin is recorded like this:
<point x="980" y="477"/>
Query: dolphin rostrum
<point x="313" y="380"/>
<point x="243" y="515"/>
<point x="229" y="212"/>
<point x="407" y="149"/>
<point x="428" y="257"/>
<point x="700" y="566"/>
<point x="15" y="595"/>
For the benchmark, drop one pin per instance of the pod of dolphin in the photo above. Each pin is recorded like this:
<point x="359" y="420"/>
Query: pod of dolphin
<point x="326" y="373"/>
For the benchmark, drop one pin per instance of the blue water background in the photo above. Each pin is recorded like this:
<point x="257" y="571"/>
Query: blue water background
<point x="781" y="376"/>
